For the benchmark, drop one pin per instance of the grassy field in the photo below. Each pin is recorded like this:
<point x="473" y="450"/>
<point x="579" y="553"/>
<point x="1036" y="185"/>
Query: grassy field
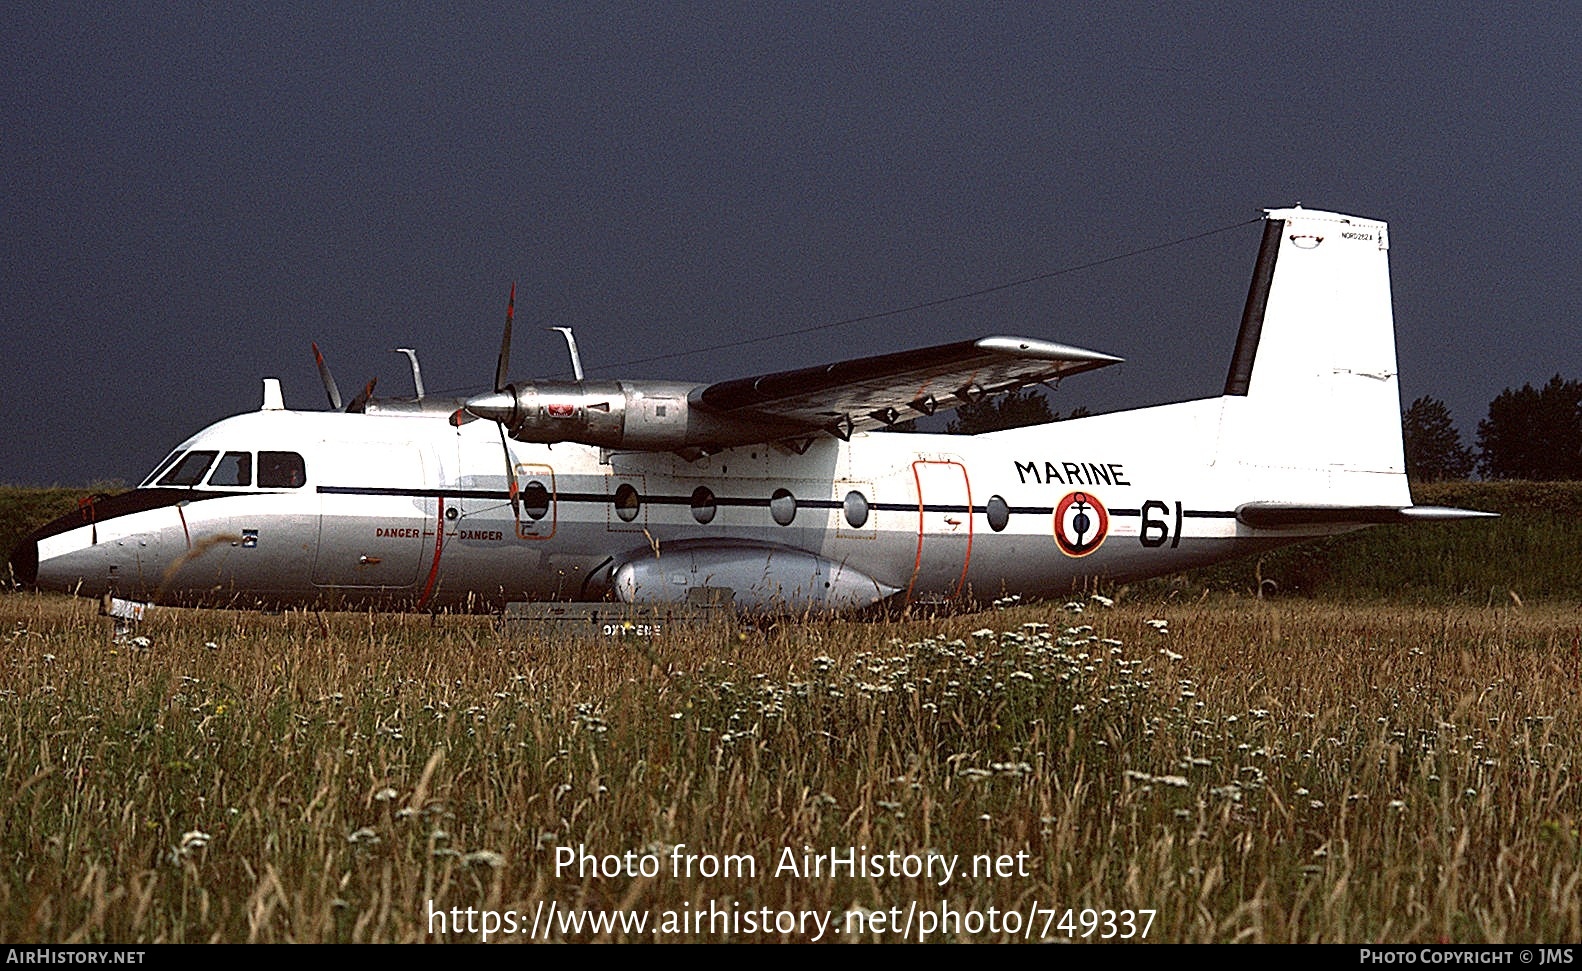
<point x="1531" y="550"/>
<point x="1284" y="770"/>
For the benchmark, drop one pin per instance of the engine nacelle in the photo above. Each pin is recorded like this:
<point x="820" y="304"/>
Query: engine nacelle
<point x="646" y="415"/>
<point x="753" y="578"/>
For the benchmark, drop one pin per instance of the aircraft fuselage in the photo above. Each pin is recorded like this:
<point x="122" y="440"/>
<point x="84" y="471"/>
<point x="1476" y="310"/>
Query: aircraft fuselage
<point x="408" y="510"/>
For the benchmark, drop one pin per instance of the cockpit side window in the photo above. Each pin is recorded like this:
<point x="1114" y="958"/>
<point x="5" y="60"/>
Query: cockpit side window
<point x="235" y="469"/>
<point x="281" y="470"/>
<point x="189" y="471"/>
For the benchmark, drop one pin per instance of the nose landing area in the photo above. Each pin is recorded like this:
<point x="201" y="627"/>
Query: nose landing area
<point x="94" y="512"/>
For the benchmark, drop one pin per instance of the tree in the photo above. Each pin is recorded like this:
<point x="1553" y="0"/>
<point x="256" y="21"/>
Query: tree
<point x="1533" y="433"/>
<point x="1015" y="409"/>
<point x="1434" y="452"/>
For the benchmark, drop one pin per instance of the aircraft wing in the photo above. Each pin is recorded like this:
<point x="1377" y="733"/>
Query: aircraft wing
<point x="870" y="392"/>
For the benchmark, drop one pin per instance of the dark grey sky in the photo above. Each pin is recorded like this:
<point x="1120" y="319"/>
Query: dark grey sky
<point x="193" y="194"/>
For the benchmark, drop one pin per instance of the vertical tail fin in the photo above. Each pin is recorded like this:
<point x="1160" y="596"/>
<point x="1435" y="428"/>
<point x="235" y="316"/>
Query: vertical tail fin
<point x="1312" y="387"/>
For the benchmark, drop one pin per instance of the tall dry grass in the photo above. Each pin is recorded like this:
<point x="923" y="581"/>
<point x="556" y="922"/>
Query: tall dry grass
<point x="1250" y="771"/>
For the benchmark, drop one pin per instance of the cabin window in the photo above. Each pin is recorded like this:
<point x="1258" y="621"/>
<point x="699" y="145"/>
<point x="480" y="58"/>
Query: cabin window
<point x="782" y="506"/>
<point x="235" y="469"/>
<point x="189" y="471"/>
<point x="535" y="499"/>
<point x="703" y="505"/>
<point x="856" y="509"/>
<point x="281" y="470"/>
<point x="998" y="512"/>
<point x="627" y="502"/>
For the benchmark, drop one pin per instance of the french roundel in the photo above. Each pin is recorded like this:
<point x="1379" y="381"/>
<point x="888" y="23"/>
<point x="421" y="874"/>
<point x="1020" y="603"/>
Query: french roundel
<point x="1081" y="523"/>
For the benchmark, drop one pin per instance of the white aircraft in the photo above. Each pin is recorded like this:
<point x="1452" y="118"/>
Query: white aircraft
<point x="780" y="491"/>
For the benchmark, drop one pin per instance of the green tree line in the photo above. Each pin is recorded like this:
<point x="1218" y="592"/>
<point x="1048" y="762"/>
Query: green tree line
<point x="1532" y="434"/>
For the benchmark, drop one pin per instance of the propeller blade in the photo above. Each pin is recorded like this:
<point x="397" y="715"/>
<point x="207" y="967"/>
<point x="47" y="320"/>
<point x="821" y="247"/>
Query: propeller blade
<point x="360" y="403"/>
<point x="510" y="476"/>
<point x="504" y="363"/>
<point x="498" y="407"/>
<point x="329" y="381"/>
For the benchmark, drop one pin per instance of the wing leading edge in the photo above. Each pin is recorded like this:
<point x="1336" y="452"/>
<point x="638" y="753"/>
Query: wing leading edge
<point x="877" y="391"/>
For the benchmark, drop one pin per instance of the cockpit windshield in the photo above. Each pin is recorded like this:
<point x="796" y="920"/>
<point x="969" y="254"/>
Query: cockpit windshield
<point x="189" y="470"/>
<point x="160" y="469"/>
<point x="235" y="469"/>
<point x="185" y="469"/>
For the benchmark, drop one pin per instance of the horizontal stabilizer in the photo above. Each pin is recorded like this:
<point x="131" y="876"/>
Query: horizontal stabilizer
<point x="1283" y="515"/>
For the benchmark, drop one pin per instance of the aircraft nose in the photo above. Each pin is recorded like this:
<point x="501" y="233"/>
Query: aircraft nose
<point x="497" y="406"/>
<point x="24" y="563"/>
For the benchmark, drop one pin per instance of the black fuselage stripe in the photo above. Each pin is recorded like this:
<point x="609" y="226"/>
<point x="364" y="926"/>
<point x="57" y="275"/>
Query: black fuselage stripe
<point x="108" y="509"/>
<point x="1186" y="513"/>
<point x="142" y="500"/>
<point x="603" y="498"/>
<point x="102" y="509"/>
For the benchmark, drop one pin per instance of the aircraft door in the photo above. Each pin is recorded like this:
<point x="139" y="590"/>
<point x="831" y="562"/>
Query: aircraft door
<point x="537" y="508"/>
<point x="374" y="522"/>
<point x="944" y="530"/>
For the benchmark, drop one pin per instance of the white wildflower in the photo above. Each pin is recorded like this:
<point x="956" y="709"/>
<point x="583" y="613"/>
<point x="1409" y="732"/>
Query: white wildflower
<point x="191" y="842"/>
<point x="488" y="858"/>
